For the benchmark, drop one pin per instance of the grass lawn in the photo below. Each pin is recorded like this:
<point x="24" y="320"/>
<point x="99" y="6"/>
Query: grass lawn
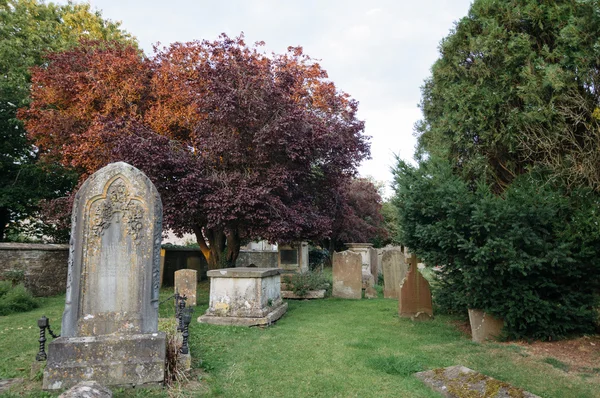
<point x="321" y="348"/>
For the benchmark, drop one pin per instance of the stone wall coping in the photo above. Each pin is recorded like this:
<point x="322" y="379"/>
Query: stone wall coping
<point x="32" y="246"/>
<point x="243" y="272"/>
<point x="358" y="245"/>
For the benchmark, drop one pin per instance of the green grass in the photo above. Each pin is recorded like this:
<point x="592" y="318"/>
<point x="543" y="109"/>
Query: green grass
<point x="320" y="348"/>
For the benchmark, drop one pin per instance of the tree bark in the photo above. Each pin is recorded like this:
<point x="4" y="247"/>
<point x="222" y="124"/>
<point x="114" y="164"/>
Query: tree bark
<point x="233" y="247"/>
<point x="212" y="245"/>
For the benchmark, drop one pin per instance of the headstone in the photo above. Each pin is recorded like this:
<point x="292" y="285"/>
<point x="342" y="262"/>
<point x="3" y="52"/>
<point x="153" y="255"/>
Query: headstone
<point x="484" y="326"/>
<point x="186" y="282"/>
<point x="347" y="275"/>
<point x="364" y="249"/>
<point x="244" y="296"/>
<point x="87" y="389"/>
<point x="395" y="269"/>
<point x="459" y="381"/>
<point x="110" y="324"/>
<point x="414" y="300"/>
<point x="373" y="264"/>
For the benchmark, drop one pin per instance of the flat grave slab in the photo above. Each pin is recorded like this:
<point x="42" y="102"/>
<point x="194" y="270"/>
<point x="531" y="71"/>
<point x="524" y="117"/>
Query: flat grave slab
<point x="459" y="381"/>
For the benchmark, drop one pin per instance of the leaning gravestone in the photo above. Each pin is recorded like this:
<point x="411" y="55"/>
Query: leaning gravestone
<point x="394" y="271"/>
<point x="110" y="323"/>
<point x="347" y="275"/>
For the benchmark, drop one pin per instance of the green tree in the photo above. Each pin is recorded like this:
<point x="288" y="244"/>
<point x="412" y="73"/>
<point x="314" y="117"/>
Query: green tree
<point x="516" y="84"/>
<point x="28" y="30"/>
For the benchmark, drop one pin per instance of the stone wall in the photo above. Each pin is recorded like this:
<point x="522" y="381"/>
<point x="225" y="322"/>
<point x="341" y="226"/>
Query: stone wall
<point x="42" y="268"/>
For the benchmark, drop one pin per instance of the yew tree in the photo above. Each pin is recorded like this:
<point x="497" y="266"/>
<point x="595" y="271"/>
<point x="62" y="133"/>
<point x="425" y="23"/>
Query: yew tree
<point x="240" y="144"/>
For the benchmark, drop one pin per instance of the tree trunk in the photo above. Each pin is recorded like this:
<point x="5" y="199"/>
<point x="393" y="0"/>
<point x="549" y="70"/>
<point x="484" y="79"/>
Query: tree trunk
<point x="233" y="247"/>
<point x="4" y="219"/>
<point x="212" y="245"/>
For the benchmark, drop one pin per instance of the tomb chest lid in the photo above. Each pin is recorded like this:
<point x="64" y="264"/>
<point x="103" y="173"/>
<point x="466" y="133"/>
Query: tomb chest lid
<point x="243" y="272"/>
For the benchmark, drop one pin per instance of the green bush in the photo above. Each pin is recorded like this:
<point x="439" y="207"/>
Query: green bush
<point x="15" y="298"/>
<point x="302" y="283"/>
<point x="528" y="255"/>
<point x="317" y="258"/>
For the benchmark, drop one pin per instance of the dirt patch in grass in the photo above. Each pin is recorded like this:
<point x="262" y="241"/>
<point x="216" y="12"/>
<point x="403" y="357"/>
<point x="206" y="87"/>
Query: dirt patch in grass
<point x="581" y="355"/>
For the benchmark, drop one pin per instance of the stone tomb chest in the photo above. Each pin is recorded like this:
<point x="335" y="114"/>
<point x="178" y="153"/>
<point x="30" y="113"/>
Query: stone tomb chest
<point x="244" y="296"/>
<point x="110" y="323"/>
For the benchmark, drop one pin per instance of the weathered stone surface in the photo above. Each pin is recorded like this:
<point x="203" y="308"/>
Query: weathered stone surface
<point x="109" y="327"/>
<point x="112" y="360"/>
<point x="370" y="293"/>
<point x="114" y="262"/>
<point x="244" y="296"/>
<point x="6" y="384"/>
<point x="373" y="263"/>
<point x="414" y="300"/>
<point x="293" y="257"/>
<point x="184" y="361"/>
<point x="395" y="269"/>
<point x="162" y="265"/>
<point x="266" y="259"/>
<point x="311" y="294"/>
<point x="364" y="249"/>
<point x="87" y="389"/>
<point x="41" y="268"/>
<point x="459" y="381"/>
<point x="347" y="275"/>
<point x="484" y="326"/>
<point x="186" y="283"/>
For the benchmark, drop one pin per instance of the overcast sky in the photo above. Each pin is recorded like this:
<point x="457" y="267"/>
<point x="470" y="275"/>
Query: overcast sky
<point x="379" y="52"/>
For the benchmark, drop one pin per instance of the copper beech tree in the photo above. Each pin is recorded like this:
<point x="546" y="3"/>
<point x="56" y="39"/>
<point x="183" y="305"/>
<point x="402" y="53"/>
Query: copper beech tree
<point x="240" y="144"/>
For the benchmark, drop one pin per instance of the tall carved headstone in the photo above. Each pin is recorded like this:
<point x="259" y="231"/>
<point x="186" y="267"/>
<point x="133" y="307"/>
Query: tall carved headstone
<point x="414" y="300"/>
<point x="110" y="323"/>
<point x="347" y="275"/>
<point x="394" y="271"/>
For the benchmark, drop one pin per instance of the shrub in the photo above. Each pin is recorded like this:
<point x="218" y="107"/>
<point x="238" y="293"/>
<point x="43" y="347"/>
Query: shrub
<point x="302" y="283"/>
<point x="528" y="255"/>
<point x="15" y="299"/>
<point x="317" y="257"/>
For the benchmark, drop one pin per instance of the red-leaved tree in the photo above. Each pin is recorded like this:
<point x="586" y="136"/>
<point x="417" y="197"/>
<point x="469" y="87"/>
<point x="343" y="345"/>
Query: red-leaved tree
<point x="239" y="144"/>
<point x="358" y="216"/>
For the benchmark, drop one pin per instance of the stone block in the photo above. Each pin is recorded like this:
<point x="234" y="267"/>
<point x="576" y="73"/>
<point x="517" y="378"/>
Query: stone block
<point x="370" y="293"/>
<point x="87" y="389"/>
<point x="186" y="283"/>
<point x="484" y="326"/>
<point x="114" y="360"/>
<point x="395" y="269"/>
<point x="347" y="275"/>
<point x="414" y="300"/>
<point x="244" y="296"/>
<point x="459" y="381"/>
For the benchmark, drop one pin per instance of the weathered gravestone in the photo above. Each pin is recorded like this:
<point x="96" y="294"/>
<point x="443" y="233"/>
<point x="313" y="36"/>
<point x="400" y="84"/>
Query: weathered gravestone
<point x="373" y="264"/>
<point x="364" y="250"/>
<point x="414" y="300"/>
<point x="110" y="323"/>
<point x="186" y="283"/>
<point x="395" y="269"/>
<point x="347" y="275"/>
